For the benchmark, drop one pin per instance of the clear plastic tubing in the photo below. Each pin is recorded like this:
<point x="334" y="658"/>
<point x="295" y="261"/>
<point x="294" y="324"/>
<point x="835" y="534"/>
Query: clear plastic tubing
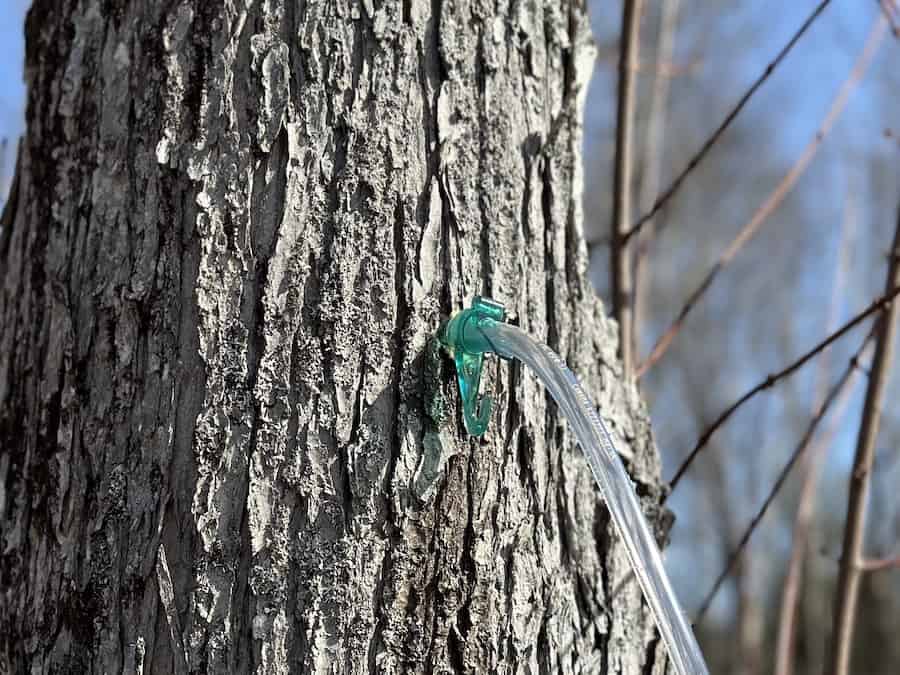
<point x="615" y="486"/>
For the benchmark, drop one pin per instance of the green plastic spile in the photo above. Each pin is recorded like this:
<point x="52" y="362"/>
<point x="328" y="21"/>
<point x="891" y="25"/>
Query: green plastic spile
<point x="463" y="337"/>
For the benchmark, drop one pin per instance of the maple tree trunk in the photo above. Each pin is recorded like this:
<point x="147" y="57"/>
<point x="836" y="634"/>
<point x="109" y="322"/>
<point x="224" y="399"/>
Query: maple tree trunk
<point x="227" y="441"/>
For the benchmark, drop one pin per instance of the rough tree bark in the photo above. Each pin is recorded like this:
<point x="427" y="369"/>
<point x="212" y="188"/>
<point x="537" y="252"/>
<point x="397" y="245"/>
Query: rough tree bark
<point x="228" y="443"/>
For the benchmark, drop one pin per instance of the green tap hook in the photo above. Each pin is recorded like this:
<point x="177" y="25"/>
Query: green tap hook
<point x="462" y="336"/>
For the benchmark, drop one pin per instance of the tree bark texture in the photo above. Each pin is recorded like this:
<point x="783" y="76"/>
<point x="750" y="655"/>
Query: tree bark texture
<point x="228" y="442"/>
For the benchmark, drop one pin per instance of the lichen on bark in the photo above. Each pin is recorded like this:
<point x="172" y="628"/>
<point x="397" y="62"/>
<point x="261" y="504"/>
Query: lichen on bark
<point x="236" y="229"/>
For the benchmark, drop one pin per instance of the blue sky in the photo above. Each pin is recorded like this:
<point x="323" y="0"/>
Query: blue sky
<point x="12" y="87"/>
<point x="12" y="54"/>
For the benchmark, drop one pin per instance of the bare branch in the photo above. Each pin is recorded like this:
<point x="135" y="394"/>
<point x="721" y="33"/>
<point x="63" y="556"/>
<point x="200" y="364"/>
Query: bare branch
<point x="621" y="213"/>
<point x="878" y="565"/>
<point x="854" y="531"/>
<point x="778" y="194"/>
<point x="729" y="118"/>
<point x="876" y="306"/>
<point x="833" y="394"/>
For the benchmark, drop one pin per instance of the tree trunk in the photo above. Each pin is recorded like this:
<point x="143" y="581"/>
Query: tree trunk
<point x="229" y="443"/>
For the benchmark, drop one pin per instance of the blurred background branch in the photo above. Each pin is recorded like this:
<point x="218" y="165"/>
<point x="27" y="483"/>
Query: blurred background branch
<point x="889" y="7"/>
<point x="622" y="179"/>
<point x="774" y="378"/>
<point x="811" y="464"/>
<point x="847" y="594"/>
<point x="773" y="201"/>
<point x="835" y="392"/>
<point x="729" y="118"/>
<point x="654" y="149"/>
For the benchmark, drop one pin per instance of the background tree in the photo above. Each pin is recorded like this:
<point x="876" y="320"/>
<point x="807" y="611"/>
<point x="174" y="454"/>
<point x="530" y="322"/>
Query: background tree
<point x="227" y="441"/>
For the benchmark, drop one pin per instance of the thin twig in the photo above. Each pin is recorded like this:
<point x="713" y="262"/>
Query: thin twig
<point x="833" y="394"/>
<point x="729" y="118"/>
<point x="790" y="596"/>
<point x="653" y="155"/>
<point x="776" y="197"/>
<point x="847" y="592"/>
<point x="773" y="378"/>
<point x="879" y="565"/>
<point x="621" y="212"/>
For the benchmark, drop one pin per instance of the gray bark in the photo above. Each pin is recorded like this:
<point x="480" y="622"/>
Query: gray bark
<point x="227" y="442"/>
